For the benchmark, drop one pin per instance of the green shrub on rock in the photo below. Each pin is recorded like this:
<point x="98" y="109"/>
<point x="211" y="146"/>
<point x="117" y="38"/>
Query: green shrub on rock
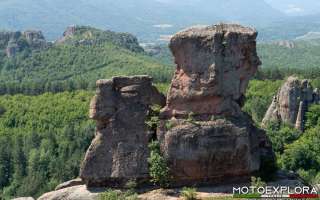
<point x="158" y="169"/>
<point x="257" y="182"/>
<point x="118" y="195"/>
<point x="189" y="193"/>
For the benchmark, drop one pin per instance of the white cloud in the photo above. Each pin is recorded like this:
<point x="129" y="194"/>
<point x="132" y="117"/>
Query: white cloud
<point x="292" y="9"/>
<point x="163" y="26"/>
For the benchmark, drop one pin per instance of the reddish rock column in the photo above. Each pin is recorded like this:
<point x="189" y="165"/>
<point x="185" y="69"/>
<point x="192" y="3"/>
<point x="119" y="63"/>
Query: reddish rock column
<point x="214" y="66"/>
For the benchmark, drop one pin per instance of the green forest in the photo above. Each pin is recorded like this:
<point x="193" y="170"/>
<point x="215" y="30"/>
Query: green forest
<point x="45" y="95"/>
<point x="77" y="63"/>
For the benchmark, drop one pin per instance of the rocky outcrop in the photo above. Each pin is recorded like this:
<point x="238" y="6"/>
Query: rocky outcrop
<point x="119" y="151"/>
<point x="213" y="151"/>
<point x="221" y="191"/>
<point x="291" y="103"/>
<point x="35" y="39"/>
<point x="214" y="66"/>
<point x="71" y="183"/>
<point x="23" y="198"/>
<point x="80" y="192"/>
<point x="85" y="35"/>
<point x="14" y="42"/>
<point x="204" y="135"/>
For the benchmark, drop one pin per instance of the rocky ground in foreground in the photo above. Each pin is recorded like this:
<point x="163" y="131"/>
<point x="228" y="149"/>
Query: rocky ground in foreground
<point x="82" y="192"/>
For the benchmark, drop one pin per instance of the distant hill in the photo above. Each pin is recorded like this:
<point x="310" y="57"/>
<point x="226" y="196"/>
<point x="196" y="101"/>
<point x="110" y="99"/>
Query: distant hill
<point x="289" y="28"/>
<point x="286" y="54"/>
<point x="296" y="7"/>
<point x="76" y="61"/>
<point x="309" y="36"/>
<point x="148" y="19"/>
<point x="299" y="54"/>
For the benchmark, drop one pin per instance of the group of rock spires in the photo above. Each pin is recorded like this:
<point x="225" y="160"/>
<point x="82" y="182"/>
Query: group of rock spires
<point x="291" y="103"/>
<point x="214" y="66"/>
<point x="14" y="42"/>
<point x="209" y="140"/>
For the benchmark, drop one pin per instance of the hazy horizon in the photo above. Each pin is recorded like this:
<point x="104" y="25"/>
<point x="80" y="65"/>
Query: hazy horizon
<point x="149" y="19"/>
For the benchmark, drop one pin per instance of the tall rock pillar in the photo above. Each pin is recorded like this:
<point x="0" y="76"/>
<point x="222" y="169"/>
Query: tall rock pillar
<point x="119" y="151"/>
<point x="204" y="135"/>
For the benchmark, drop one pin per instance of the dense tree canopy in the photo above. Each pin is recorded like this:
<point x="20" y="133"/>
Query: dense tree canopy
<point x="42" y="140"/>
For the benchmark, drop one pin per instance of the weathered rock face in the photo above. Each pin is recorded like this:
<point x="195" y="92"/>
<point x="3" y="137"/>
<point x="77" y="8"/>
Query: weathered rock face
<point x="213" y="151"/>
<point x="71" y="183"/>
<point x="214" y="66"/>
<point x="119" y="151"/>
<point x="14" y="42"/>
<point x="291" y="102"/>
<point x="204" y="135"/>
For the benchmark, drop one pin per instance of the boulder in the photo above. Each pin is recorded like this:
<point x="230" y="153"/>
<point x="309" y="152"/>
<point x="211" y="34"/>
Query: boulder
<point x="213" y="151"/>
<point x="71" y="183"/>
<point x="23" y="198"/>
<point x="80" y="192"/>
<point x="119" y="150"/>
<point x="291" y="103"/>
<point x="214" y="66"/>
<point x="204" y="135"/>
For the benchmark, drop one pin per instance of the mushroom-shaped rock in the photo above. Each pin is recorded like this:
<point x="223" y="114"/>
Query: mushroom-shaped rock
<point x="203" y="133"/>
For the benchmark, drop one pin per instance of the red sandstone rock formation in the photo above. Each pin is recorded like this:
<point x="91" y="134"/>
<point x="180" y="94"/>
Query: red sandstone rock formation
<point x="214" y="66"/>
<point x="291" y="102"/>
<point x="119" y="151"/>
<point x="204" y="134"/>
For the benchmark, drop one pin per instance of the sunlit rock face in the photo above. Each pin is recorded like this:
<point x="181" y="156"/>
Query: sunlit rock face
<point x="213" y="67"/>
<point x="204" y="135"/>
